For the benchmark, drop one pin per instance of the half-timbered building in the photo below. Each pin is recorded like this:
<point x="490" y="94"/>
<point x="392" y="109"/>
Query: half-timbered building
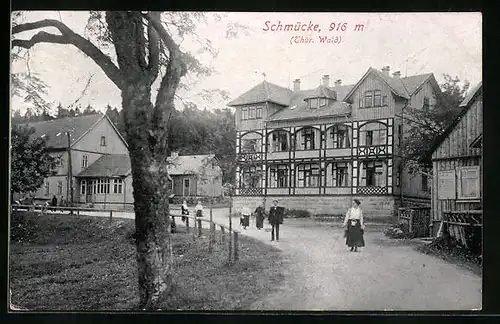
<point x="457" y="166"/>
<point x="315" y="149"/>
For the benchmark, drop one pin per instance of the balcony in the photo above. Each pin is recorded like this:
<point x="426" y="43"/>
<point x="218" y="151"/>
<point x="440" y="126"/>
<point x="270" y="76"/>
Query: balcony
<point x="277" y="191"/>
<point x="278" y="155"/>
<point x="373" y="150"/>
<point x="337" y="190"/>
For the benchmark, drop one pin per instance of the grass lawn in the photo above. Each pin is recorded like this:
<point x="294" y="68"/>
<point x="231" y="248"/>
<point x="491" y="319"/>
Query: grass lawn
<point x="61" y="262"/>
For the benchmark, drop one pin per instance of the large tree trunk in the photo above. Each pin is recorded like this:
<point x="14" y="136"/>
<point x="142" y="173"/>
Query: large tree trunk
<point x="152" y="219"/>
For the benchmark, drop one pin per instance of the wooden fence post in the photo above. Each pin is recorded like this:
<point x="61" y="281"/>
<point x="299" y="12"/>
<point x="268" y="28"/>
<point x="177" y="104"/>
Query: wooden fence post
<point x="187" y="224"/>
<point x="235" y="246"/>
<point x="110" y="215"/>
<point x="78" y="212"/>
<point x="199" y="227"/>
<point x="223" y="235"/>
<point x="194" y="229"/>
<point x="410" y="225"/>
<point x="210" y="242"/>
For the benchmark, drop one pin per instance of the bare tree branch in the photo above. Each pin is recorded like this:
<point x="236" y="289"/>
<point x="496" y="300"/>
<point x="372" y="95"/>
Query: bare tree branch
<point x="68" y="37"/>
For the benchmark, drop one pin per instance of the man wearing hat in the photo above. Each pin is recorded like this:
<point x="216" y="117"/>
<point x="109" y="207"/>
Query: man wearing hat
<point x="275" y="219"/>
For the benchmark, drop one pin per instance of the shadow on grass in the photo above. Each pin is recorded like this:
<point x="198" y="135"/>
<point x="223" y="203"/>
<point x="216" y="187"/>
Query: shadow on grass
<point x="59" y="262"/>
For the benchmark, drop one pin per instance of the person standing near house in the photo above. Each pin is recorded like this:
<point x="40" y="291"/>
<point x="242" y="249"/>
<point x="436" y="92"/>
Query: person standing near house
<point x="184" y="210"/>
<point x="275" y="219"/>
<point x="354" y="226"/>
<point x="199" y="209"/>
<point x="259" y="216"/>
<point x="54" y="203"/>
<point x="245" y="217"/>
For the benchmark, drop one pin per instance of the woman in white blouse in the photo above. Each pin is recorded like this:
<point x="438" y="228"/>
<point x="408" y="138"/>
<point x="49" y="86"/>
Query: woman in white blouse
<point x="354" y="226"/>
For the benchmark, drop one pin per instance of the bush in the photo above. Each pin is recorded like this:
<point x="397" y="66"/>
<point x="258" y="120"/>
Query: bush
<point x="399" y="231"/>
<point x="296" y="213"/>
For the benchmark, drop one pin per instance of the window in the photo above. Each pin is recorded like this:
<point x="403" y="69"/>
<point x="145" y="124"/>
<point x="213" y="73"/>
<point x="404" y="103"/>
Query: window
<point x="278" y="176"/>
<point x="250" y="177"/>
<point x="368" y="99"/>
<point x="322" y="102"/>
<point x="59" y="187"/>
<point x="244" y="113"/>
<point x="313" y="103"/>
<point x="384" y="100"/>
<point x="83" y="187"/>
<point x="340" y="174"/>
<point x="398" y="177"/>
<point x="94" y="186"/>
<point x="369" y="137"/>
<point x="85" y="161"/>
<point x="425" y="182"/>
<point x="360" y="103"/>
<point x="251" y="112"/>
<point x="250" y="145"/>
<point x="308" y="138"/>
<point x="280" y="141"/>
<point x="258" y="112"/>
<point x="373" y="173"/>
<point x="107" y="185"/>
<point x="103" y="140"/>
<point x="426" y="103"/>
<point x="341" y="136"/>
<point x="468" y="182"/>
<point x="373" y="133"/>
<point x="377" y="98"/>
<point x="117" y="186"/>
<point x="308" y="175"/>
<point x="47" y="188"/>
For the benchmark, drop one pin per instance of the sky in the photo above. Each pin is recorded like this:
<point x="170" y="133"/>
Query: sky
<point x="413" y="43"/>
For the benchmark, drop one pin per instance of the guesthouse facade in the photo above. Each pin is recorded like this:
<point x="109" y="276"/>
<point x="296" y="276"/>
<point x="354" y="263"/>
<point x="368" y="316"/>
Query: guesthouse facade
<point x="100" y="167"/>
<point x="318" y="148"/>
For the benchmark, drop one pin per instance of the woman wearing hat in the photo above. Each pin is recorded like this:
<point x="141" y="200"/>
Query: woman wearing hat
<point x="354" y="227"/>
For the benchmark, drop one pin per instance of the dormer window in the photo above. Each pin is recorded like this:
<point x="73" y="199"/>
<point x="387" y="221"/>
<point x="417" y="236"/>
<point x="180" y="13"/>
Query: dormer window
<point x="322" y="102"/>
<point x="313" y="103"/>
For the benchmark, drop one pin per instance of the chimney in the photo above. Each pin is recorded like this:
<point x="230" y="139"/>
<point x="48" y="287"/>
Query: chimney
<point x="386" y="70"/>
<point x="338" y="83"/>
<point x="174" y="154"/>
<point x="326" y="80"/>
<point x="396" y="74"/>
<point x="296" y="85"/>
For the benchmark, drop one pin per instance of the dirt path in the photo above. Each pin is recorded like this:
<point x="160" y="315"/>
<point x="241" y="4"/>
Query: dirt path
<point x="321" y="273"/>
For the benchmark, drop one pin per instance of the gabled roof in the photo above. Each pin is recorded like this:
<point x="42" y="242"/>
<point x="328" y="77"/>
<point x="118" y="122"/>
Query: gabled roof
<point x="466" y="104"/>
<point x="55" y="130"/>
<point x="299" y="108"/>
<point x="402" y="87"/>
<point x="189" y="164"/>
<point x="414" y="82"/>
<point x="108" y="166"/>
<point x="471" y="94"/>
<point x="263" y="92"/>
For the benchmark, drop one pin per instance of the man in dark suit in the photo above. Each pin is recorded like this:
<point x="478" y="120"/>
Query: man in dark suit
<point x="275" y="219"/>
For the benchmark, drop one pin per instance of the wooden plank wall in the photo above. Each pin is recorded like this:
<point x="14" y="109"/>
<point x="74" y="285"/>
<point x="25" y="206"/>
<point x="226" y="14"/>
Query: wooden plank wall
<point x="455" y="152"/>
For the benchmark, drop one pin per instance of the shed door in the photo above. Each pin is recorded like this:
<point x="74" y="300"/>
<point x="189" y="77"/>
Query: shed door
<point x="186" y="187"/>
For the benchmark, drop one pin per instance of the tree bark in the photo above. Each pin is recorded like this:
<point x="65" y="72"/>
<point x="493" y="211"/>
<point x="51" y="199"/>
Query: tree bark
<point x="152" y="221"/>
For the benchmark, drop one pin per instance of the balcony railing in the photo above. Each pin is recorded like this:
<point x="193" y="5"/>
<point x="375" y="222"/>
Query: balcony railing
<point x="372" y="190"/>
<point x="250" y="191"/>
<point x="250" y="157"/>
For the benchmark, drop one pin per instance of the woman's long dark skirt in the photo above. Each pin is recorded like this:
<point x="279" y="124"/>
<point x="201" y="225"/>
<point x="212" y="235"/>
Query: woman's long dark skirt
<point x="354" y="235"/>
<point x="259" y="221"/>
<point x="245" y="220"/>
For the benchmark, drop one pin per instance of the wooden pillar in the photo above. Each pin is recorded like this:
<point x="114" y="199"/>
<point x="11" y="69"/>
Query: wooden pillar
<point x="223" y="235"/>
<point x="199" y="227"/>
<point x="187" y="224"/>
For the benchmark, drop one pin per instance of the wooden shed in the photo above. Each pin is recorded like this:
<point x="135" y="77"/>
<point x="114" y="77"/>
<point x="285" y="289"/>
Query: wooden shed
<point x="457" y="168"/>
